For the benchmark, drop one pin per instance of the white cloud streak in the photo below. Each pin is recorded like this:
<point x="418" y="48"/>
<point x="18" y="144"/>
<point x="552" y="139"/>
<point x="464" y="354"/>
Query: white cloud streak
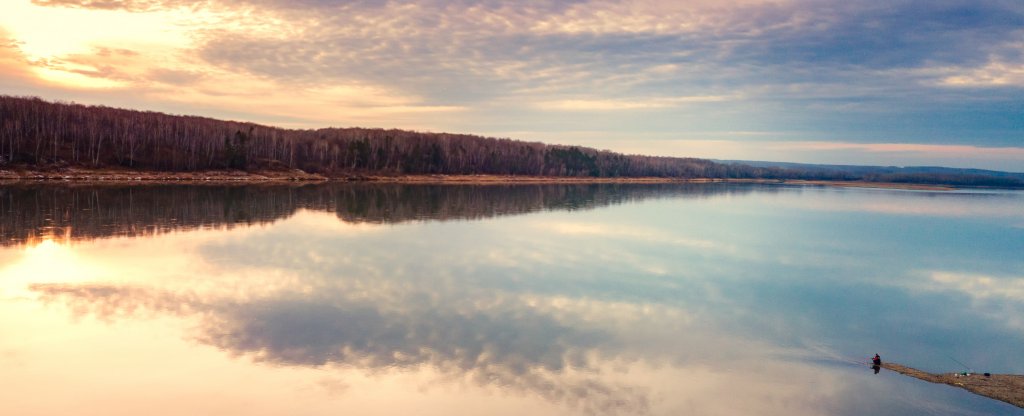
<point x="629" y="104"/>
<point x="647" y="67"/>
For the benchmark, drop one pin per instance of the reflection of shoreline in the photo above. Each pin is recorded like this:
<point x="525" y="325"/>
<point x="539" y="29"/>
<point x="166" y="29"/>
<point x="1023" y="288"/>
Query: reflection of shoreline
<point x="97" y="211"/>
<point x="867" y="184"/>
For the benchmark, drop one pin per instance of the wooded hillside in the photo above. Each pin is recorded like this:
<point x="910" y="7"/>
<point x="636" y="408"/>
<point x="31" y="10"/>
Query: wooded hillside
<point x="40" y="133"/>
<point x="37" y="134"/>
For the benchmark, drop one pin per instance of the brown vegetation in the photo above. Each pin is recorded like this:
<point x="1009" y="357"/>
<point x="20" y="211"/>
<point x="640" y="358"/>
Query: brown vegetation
<point x="79" y="174"/>
<point x="1008" y="388"/>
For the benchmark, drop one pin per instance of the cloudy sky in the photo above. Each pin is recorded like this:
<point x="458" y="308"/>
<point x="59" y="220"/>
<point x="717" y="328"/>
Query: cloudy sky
<point x="931" y="82"/>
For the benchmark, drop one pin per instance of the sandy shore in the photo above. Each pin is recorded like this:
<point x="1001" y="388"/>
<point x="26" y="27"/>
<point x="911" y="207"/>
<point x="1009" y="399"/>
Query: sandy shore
<point x="516" y="179"/>
<point x="1008" y="388"/>
<point x="131" y="176"/>
<point x="81" y="175"/>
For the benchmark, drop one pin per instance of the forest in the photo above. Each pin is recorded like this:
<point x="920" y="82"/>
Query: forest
<point x="38" y="134"/>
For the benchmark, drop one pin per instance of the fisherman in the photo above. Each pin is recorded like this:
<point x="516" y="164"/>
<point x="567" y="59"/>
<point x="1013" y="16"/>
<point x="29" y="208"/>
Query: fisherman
<point x="876" y="363"/>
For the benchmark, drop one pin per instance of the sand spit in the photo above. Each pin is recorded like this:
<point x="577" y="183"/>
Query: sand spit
<point x="1008" y="388"/>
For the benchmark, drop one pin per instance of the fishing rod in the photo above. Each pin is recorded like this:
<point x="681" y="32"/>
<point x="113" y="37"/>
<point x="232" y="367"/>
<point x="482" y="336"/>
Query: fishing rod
<point x="969" y="369"/>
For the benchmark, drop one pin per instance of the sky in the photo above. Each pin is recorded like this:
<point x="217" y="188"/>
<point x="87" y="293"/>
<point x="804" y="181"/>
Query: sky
<point x="930" y="82"/>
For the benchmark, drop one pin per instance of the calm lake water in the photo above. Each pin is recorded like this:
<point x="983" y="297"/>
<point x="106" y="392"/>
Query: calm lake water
<point x="504" y="300"/>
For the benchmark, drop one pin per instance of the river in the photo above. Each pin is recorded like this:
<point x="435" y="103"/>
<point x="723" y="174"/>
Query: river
<point x="709" y="299"/>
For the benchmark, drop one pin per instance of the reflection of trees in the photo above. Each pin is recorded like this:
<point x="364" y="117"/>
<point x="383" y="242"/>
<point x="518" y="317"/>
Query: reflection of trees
<point x="87" y="212"/>
<point x="500" y="343"/>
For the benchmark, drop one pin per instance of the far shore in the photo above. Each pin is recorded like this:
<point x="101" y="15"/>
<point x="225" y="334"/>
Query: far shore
<point x="119" y="176"/>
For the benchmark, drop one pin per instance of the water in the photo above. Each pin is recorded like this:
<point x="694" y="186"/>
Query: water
<point x="547" y="300"/>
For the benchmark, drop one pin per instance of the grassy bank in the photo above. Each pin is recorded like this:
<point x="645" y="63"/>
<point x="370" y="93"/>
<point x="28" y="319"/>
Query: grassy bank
<point x="143" y="176"/>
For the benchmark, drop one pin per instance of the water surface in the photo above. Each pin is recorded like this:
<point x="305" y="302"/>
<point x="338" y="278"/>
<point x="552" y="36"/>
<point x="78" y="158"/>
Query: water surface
<point x="578" y="299"/>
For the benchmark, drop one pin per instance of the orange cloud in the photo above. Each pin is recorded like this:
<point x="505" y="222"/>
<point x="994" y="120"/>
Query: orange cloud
<point x="14" y="66"/>
<point x="153" y="57"/>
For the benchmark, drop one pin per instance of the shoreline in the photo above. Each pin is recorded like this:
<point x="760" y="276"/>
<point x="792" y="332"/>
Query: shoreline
<point x="1007" y="388"/>
<point x="116" y="176"/>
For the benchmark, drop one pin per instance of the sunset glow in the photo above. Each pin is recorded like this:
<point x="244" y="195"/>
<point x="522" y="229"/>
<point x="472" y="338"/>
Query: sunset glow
<point x="911" y="83"/>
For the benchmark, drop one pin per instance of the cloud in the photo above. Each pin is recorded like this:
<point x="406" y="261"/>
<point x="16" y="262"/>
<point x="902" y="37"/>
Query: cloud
<point x="558" y="57"/>
<point x="106" y="69"/>
<point x="918" y="71"/>
<point x="131" y="5"/>
<point x="465" y="51"/>
<point x="634" y="104"/>
<point x="22" y="74"/>
<point x="158" y="63"/>
<point x="13" y="63"/>
<point x="995" y="73"/>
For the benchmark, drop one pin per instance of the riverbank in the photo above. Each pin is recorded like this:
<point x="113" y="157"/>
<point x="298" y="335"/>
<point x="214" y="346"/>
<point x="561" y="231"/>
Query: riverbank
<point x="502" y="179"/>
<point x="1008" y="388"/>
<point x="117" y="176"/>
<point x="133" y="176"/>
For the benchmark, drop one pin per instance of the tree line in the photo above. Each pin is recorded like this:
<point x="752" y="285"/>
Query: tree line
<point x="40" y="134"/>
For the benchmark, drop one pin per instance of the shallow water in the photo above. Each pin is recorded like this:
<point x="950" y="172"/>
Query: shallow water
<point x="581" y="299"/>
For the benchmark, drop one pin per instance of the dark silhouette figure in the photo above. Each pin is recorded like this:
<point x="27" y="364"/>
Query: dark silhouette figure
<point x="876" y="363"/>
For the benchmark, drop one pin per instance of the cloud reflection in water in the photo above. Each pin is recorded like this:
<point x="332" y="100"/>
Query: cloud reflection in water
<point x="501" y="345"/>
<point x="663" y="305"/>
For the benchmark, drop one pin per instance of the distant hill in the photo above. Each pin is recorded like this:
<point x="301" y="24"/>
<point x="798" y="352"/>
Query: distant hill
<point x="862" y="170"/>
<point x="908" y="174"/>
<point x="42" y="135"/>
